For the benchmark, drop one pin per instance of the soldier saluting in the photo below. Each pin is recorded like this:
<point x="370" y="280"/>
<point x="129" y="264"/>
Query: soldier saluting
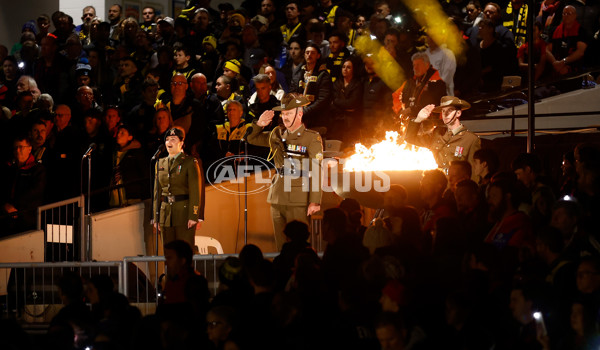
<point x="181" y="191"/>
<point x="295" y="191"/>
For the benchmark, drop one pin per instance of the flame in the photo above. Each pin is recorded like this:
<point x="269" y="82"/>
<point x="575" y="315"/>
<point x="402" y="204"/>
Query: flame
<point x="390" y="155"/>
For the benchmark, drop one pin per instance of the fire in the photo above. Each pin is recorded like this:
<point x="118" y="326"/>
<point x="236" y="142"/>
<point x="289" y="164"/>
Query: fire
<point x="389" y="155"/>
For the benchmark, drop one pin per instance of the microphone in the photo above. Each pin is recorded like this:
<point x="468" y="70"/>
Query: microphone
<point x="90" y="150"/>
<point x="248" y="132"/>
<point x="158" y="151"/>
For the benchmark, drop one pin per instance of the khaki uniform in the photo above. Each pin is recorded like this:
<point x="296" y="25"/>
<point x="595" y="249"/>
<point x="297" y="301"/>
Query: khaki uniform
<point x="182" y="197"/>
<point x="446" y="145"/>
<point x="297" y="157"/>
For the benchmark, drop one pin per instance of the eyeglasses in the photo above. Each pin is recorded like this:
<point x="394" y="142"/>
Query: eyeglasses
<point x="88" y="15"/>
<point x="178" y="83"/>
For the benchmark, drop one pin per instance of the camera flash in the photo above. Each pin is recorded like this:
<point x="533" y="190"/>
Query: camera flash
<point x="537" y="315"/>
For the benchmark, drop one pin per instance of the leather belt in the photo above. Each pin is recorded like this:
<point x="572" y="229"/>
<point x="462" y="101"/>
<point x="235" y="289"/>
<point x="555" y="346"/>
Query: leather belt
<point x="175" y="198"/>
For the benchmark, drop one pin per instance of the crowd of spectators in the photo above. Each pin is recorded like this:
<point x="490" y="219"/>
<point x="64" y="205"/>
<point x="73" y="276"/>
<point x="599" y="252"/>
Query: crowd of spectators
<point x="509" y="261"/>
<point x="119" y="84"/>
<point x="464" y="268"/>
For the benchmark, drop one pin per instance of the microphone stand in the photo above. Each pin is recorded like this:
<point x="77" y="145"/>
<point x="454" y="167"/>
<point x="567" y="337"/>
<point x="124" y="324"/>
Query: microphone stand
<point x="246" y="193"/>
<point x="88" y="209"/>
<point x="156" y="191"/>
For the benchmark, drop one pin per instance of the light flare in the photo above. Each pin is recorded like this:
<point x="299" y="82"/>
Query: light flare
<point x="390" y="155"/>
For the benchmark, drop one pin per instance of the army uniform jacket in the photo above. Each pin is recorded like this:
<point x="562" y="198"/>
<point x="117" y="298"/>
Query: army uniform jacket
<point x="183" y="178"/>
<point x="288" y="150"/>
<point x="445" y="145"/>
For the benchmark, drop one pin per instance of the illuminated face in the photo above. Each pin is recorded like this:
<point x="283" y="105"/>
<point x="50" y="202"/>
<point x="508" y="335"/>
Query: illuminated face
<point x="311" y="55"/>
<point x="295" y="51"/>
<point x="288" y="118"/>
<point x="114" y="13"/>
<point x="174" y="145"/>
<point x="335" y="45"/>
<point x="263" y="91"/>
<point x="163" y="121"/>
<point x="420" y="67"/>
<point x="267" y="8"/>
<point x="199" y="85"/>
<point x="91" y="125"/>
<point x="234" y="113"/>
<point x="38" y="134"/>
<point x="180" y="58"/>
<point x="449" y="115"/>
<point x="223" y="90"/>
<point x="472" y="12"/>
<point x="88" y="14"/>
<point x="123" y="137"/>
<point x="389" y="338"/>
<point x="84" y="80"/>
<point x="112" y="118"/>
<point x="179" y="85"/>
<point x="22" y="150"/>
<point x="127" y="69"/>
<point x="347" y="70"/>
<point x="270" y="71"/>
<point x="360" y="21"/>
<point x="62" y="117"/>
<point x="148" y="14"/>
<point x="291" y="11"/>
<point x="85" y="96"/>
<point x="490" y="12"/>
<point x="229" y="73"/>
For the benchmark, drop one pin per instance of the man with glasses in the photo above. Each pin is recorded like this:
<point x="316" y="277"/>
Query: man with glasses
<point x="24" y="182"/>
<point x="83" y="30"/>
<point x="454" y="142"/>
<point x="493" y="12"/>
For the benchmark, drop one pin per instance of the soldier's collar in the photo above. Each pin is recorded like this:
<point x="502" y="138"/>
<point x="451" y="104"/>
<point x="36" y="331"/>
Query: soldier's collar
<point x="457" y="130"/>
<point x="298" y="131"/>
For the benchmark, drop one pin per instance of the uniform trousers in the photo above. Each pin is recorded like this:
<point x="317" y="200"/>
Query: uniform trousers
<point x="282" y="214"/>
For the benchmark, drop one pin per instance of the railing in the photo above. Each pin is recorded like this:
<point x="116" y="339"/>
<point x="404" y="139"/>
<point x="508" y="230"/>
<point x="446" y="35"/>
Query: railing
<point x="32" y="296"/>
<point x="64" y="229"/>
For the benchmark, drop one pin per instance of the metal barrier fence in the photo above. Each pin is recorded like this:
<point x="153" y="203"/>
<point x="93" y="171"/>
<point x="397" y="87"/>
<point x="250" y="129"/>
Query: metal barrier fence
<point x="33" y="298"/>
<point x="64" y="229"/>
<point x="32" y="295"/>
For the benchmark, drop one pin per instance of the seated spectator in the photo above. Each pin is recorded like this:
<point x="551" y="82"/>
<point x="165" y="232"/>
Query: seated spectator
<point x="528" y="168"/>
<point x="229" y="134"/>
<point x="539" y="54"/>
<point x="183" y="64"/>
<point x="567" y="44"/>
<point x="512" y="228"/>
<point x="433" y="185"/>
<point x="24" y="182"/>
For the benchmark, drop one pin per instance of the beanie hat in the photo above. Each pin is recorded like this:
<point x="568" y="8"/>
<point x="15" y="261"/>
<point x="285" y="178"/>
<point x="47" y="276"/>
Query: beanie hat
<point x="233" y="65"/>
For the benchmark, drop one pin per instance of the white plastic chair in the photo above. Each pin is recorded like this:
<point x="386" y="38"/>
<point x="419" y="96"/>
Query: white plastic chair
<point x="203" y="242"/>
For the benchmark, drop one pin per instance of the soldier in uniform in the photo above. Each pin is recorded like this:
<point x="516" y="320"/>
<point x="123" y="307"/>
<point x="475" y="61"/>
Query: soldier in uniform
<point x="295" y="191"/>
<point x="181" y="191"/>
<point x="454" y="142"/>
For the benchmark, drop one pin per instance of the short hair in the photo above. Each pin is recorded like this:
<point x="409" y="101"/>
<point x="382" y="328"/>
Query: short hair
<point x="297" y="231"/>
<point x="149" y="7"/>
<point x="233" y="83"/>
<point x="261" y="78"/>
<point x="88" y="7"/>
<point x="235" y="103"/>
<point x="420" y="56"/>
<point x="475" y="3"/>
<point x="438" y="176"/>
<point x="119" y="6"/>
<point x="343" y="37"/>
<point x="297" y="40"/>
<point x="490" y="157"/>
<point x="180" y="47"/>
<point x="465" y="165"/>
<point x="314" y="46"/>
<point x="43" y="17"/>
<point x="182" y="249"/>
<point x="148" y="82"/>
<point x="527" y="160"/>
<point x="468" y="184"/>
